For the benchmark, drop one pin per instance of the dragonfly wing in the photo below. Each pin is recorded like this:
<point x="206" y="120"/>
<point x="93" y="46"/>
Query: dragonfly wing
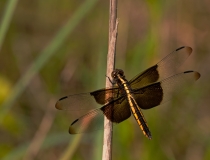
<point x="91" y="121"/>
<point x="160" y="92"/>
<point x="116" y="111"/>
<point x="165" y="68"/>
<point x="103" y="96"/>
<point x="87" y="101"/>
<point x="77" y="102"/>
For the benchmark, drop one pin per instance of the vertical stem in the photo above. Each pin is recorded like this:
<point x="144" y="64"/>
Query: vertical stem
<point x="113" y="24"/>
<point x="112" y="17"/>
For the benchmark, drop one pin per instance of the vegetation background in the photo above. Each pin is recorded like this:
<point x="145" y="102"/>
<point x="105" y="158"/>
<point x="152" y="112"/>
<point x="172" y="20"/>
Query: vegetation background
<point x="51" y="48"/>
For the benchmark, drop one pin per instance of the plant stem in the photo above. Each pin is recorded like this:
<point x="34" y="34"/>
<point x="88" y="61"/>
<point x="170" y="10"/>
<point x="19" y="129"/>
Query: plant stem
<point x="113" y="25"/>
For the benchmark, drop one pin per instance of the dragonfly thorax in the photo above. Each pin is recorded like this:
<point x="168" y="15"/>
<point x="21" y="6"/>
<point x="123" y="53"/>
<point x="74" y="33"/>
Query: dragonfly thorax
<point x="119" y="77"/>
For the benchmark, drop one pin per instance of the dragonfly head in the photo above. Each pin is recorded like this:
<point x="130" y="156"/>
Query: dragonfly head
<point x="117" y="73"/>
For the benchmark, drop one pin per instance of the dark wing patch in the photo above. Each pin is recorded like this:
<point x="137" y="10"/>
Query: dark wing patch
<point x="102" y="96"/>
<point x="149" y="96"/>
<point x="160" y="92"/>
<point x="116" y="111"/>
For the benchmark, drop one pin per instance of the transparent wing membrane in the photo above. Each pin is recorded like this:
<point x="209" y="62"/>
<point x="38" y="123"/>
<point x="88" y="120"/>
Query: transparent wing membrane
<point x="163" y="69"/>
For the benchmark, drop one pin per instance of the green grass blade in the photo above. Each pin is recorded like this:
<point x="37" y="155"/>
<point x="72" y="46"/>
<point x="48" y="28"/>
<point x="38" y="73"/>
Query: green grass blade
<point x="9" y="10"/>
<point x="46" y="54"/>
<point x="50" y="141"/>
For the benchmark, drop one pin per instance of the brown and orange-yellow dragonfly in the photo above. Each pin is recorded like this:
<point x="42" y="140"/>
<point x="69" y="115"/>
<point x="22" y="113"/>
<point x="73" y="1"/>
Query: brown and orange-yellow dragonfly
<point x="148" y="89"/>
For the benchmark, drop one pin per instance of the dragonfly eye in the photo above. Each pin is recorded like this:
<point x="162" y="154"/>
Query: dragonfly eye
<point x="121" y="72"/>
<point x="114" y="74"/>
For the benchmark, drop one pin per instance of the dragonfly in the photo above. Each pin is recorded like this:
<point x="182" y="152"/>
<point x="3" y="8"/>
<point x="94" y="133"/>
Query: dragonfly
<point x="148" y="89"/>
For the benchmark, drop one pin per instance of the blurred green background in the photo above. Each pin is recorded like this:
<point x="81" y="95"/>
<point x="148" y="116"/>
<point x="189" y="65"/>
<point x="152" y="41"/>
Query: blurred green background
<point x="51" y="48"/>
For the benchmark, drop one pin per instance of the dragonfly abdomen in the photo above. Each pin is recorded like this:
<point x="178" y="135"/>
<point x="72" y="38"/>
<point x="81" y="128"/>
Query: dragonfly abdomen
<point x="138" y="115"/>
